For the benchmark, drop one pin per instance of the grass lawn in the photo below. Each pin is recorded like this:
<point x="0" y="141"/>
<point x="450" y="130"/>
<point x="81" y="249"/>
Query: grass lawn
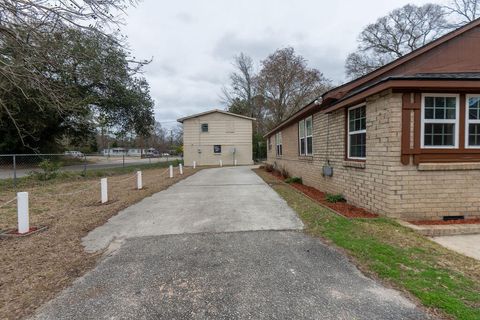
<point x="445" y="282"/>
<point x="35" y="268"/>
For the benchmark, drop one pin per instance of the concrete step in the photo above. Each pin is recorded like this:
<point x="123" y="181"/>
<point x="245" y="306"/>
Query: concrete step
<point x="442" y="230"/>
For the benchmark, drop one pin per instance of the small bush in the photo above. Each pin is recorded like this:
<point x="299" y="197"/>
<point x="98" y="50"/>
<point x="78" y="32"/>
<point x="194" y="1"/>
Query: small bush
<point x="294" y="180"/>
<point x="269" y="168"/>
<point x="284" y="173"/>
<point x="50" y="170"/>
<point x="334" y="198"/>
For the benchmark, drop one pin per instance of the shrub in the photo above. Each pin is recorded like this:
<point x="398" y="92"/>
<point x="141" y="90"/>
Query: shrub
<point x="284" y="173"/>
<point x="334" y="198"/>
<point x="294" y="180"/>
<point x="50" y="170"/>
<point x="269" y="168"/>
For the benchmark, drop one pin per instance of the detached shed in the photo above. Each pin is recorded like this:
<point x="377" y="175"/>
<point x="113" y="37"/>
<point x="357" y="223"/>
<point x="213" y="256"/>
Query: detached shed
<point x="215" y="135"/>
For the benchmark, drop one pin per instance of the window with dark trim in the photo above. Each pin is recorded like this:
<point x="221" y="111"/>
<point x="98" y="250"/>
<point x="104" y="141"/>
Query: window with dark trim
<point x="305" y="136"/>
<point x="217" y="148"/>
<point x="357" y="132"/>
<point x="472" y="127"/>
<point x="204" y="127"/>
<point x="278" y="144"/>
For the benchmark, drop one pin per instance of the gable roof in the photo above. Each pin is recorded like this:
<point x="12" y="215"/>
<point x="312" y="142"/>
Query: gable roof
<point x="333" y="93"/>
<point x="214" y="111"/>
<point x="340" y="96"/>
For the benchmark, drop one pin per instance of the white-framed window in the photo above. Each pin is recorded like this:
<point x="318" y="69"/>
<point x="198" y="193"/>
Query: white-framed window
<point x="305" y="136"/>
<point x="472" y="121"/>
<point x="204" y="127"/>
<point x="278" y="143"/>
<point x="357" y="132"/>
<point x="440" y="120"/>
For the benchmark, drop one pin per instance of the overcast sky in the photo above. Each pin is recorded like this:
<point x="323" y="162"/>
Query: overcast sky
<point x="192" y="43"/>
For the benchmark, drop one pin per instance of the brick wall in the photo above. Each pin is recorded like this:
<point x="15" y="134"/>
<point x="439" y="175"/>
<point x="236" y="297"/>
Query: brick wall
<point x="380" y="184"/>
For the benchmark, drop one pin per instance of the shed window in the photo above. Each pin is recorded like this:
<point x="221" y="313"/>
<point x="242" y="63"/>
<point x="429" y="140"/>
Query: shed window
<point x="357" y="132"/>
<point x="204" y="127"/>
<point x="440" y="120"/>
<point x="305" y="143"/>
<point x="278" y="143"/>
<point x="472" y="135"/>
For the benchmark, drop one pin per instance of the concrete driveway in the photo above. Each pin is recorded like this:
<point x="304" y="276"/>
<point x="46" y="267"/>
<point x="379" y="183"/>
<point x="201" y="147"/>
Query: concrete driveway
<point x="201" y="250"/>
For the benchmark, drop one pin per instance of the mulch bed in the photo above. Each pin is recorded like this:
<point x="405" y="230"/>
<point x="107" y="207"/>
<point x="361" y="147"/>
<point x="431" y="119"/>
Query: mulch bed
<point x="442" y="222"/>
<point x="343" y="208"/>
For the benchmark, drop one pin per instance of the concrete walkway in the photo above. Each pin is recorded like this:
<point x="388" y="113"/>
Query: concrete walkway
<point x="214" y="200"/>
<point x="199" y="250"/>
<point x="468" y="245"/>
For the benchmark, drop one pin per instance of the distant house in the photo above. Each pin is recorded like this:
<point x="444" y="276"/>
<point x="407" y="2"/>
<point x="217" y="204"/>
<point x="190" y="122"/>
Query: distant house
<point x="131" y="152"/>
<point x="216" y="135"/>
<point x="403" y="140"/>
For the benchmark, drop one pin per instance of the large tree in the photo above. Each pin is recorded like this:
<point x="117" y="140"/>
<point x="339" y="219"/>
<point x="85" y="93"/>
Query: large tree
<point x="464" y="11"/>
<point x="242" y="93"/>
<point x="286" y="84"/>
<point x="400" y="32"/>
<point x="59" y="70"/>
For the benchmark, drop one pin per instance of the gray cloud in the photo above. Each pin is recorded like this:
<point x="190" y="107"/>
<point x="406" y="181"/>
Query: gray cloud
<point x="193" y="42"/>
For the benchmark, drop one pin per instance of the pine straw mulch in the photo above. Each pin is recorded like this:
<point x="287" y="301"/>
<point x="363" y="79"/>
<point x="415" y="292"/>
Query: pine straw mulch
<point x="343" y="208"/>
<point x="35" y="268"/>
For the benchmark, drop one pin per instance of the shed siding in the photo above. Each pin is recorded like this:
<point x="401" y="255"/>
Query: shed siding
<point x="225" y="130"/>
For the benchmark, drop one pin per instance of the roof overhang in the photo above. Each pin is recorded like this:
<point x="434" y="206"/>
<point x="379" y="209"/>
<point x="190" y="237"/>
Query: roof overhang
<point x="181" y="120"/>
<point x="309" y="109"/>
<point x="404" y="84"/>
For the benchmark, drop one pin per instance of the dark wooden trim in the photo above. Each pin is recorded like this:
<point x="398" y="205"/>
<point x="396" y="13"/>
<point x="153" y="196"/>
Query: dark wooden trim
<point x="408" y="85"/>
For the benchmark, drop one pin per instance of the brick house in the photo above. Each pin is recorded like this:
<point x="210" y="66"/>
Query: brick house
<point x="402" y="141"/>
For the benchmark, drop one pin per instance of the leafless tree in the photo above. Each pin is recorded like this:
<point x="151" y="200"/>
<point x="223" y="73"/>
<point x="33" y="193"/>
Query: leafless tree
<point x="242" y="84"/>
<point x="400" y="32"/>
<point x="241" y="96"/>
<point x="464" y="10"/>
<point x="286" y="84"/>
<point x="28" y="33"/>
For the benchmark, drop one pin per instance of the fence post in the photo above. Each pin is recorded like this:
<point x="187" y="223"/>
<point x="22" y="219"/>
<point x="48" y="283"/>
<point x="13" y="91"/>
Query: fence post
<point x="194" y="164"/>
<point x="221" y="163"/>
<point x="15" y="171"/>
<point x="170" y="169"/>
<point x="22" y="212"/>
<point x="139" y="180"/>
<point x="104" y="189"/>
<point x="84" y="165"/>
<point x="180" y="167"/>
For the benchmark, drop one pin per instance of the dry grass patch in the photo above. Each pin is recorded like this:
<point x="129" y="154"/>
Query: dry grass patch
<point x="37" y="267"/>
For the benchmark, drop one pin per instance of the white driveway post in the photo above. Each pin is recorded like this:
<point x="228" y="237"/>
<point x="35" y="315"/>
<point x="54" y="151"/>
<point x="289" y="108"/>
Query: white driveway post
<point x="221" y="164"/>
<point x="104" y="189"/>
<point x="171" y="171"/>
<point x="180" y="167"/>
<point x="139" y="180"/>
<point x="194" y="164"/>
<point x="235" y="162"/>
<point x="22" y="212"/>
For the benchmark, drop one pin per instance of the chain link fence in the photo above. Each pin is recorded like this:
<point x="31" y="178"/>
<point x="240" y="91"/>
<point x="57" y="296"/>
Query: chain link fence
<point x="14" y="167"/>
